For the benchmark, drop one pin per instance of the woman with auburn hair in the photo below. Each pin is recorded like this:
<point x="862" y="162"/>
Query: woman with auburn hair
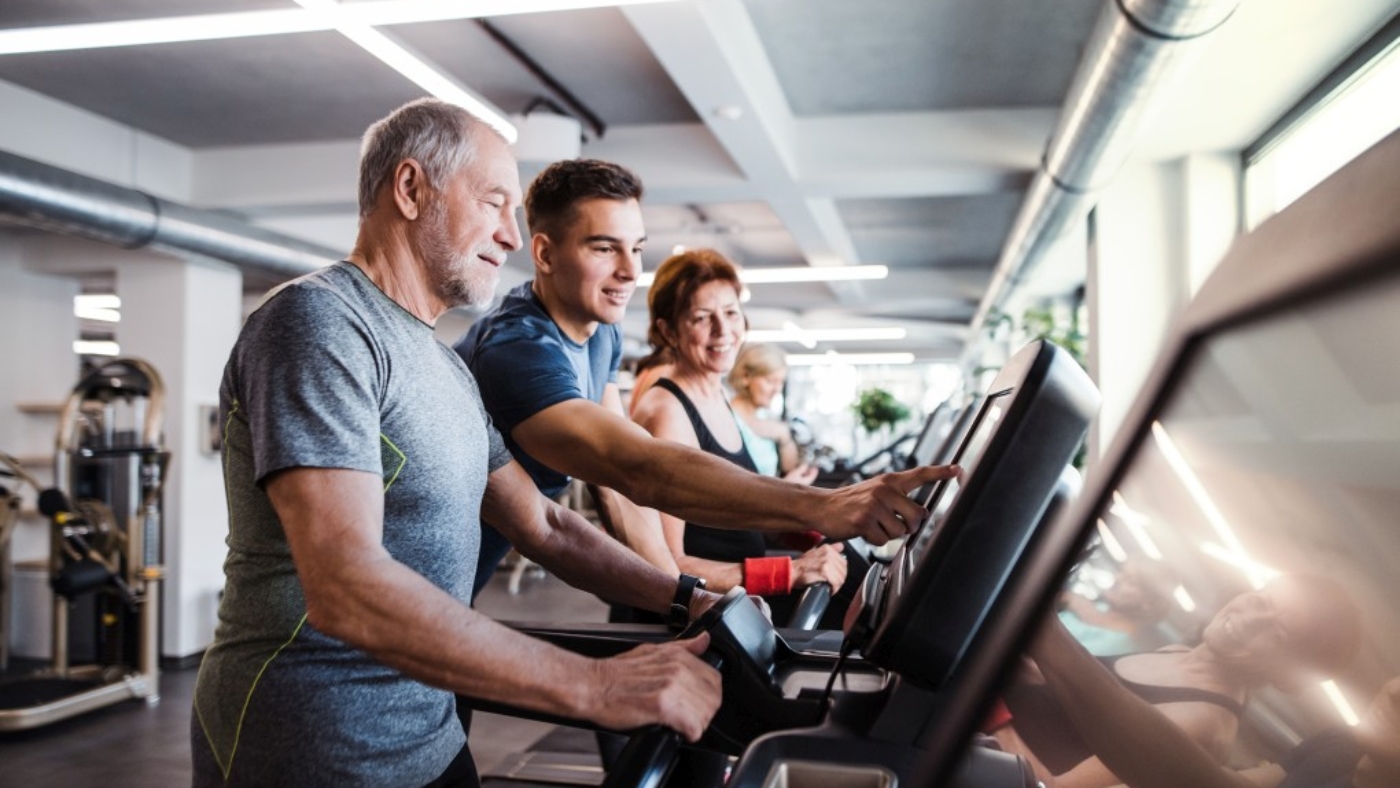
<point x="698" y="325"/>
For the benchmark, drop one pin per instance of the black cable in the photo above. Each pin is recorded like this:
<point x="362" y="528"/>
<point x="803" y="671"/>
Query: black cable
<point x="846" y="648"/>
<point x="529" y="63"/>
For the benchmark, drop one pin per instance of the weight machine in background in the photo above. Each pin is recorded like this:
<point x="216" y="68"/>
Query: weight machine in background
<point x="105" y="550"/>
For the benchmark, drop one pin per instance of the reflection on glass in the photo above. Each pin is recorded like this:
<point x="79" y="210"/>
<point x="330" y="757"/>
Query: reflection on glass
<point x="1236" y="624"/>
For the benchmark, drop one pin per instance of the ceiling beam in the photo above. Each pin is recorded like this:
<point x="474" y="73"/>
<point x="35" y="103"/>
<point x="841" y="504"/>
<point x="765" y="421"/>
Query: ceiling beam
<point x="713" y="54"/>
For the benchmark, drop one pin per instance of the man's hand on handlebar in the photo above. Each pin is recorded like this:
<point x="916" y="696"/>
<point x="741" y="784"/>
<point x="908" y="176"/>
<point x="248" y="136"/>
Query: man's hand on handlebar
<point x="657" y="683"/>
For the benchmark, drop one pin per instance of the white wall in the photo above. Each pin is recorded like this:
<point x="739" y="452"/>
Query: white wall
<point x="37" y="367"/>
<point x="1159" y="229"/>
<point x="183" y="317"/>
<point x="88" y="144"/>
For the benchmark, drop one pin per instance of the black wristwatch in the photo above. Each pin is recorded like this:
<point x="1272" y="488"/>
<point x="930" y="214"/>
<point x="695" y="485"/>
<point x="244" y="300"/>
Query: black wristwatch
<point x="679" y="615"/>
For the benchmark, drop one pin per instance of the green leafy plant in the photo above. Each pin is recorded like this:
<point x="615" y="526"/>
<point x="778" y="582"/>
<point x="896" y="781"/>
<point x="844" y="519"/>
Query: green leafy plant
<point x="1043" y="323"/>
<point x="876" y="408"/>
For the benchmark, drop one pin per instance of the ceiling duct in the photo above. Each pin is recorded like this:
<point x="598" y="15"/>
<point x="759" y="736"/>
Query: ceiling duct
<point x="1131" y="51"/>
<point x="43" y="196"/>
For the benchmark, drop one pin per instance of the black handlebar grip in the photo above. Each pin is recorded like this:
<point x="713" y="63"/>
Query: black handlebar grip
<point x="811" y="606"/>
<point x="52" y="502"/>
<point x="647" y="759"/>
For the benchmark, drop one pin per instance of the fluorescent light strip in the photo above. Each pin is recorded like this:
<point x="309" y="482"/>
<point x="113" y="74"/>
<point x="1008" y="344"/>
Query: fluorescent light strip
<point x="1136" y="522"/>
<point x="1137" y="529"/>
<point x="804" y="273"/>
<point x="1202" y="498"/>
<point x="98" y="314"/>
<point x="823" y="359"/>
<point x="208" y="27"/>
<point x="1183" y="599"/>
<point x="791" y="333"/>
<point x="1249" y="566"/>
<point x="1111" y="543"/>
<point x="1344" y="708"/>
<point x="398" y="56"/>
<point x="87" y="347"/>
<point x="815" y="335"/>
<point x="165" y="30"/>
<point x="97" y="301"/>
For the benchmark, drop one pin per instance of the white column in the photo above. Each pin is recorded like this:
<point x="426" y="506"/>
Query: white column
<point x="1159" y="230"/>
<point x="1212" y="187"/>
<point x="183" y="317"/>
<point x="1136" y="284"/>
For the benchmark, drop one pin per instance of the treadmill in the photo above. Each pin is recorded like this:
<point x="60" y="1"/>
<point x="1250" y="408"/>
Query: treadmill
<point x="1265" y="443"/>
<point x="1263" y="451"/>
<point x="864" y="700"/>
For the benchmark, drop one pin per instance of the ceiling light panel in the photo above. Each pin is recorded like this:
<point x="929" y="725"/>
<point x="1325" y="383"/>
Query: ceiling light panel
<point x="801" y="273"/>
<point x="208" y="27"/>
<point x="805" y="335"/>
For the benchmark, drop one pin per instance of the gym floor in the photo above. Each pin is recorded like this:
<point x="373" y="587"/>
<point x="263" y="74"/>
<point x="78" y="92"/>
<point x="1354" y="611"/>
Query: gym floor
<point x="131" y="745"/>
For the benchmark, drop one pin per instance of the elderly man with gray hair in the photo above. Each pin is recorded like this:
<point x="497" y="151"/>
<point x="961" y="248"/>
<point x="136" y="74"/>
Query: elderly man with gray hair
<point x="359" y="463"/>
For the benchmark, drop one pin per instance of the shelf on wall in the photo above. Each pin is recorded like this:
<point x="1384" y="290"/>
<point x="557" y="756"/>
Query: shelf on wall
<point x="52" y="408"/>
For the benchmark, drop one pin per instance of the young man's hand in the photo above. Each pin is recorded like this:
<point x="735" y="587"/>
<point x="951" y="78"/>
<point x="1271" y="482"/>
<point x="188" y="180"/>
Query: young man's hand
<point x="877" y="509"/>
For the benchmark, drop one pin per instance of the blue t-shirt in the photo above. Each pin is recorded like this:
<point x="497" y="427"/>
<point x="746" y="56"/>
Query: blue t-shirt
<point x="524" y="364"/>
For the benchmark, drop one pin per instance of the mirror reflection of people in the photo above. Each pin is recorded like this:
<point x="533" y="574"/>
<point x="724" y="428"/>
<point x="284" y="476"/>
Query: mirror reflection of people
<point x="1274" y="636"/>
<point x="697" y="321"/>
<point x="1146" y="749"/>
<point x="758" y="376"/>
<point x="1125" y="615"/>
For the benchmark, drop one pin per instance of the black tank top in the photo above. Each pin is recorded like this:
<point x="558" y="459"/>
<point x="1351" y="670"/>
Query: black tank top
<point x="716" y="544"/>
<point x="1042" y="724"/>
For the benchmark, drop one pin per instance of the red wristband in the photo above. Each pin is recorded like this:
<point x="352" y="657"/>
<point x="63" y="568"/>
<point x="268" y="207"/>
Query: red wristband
<point x="765" y="576"/>
<point x="998" y="717"/>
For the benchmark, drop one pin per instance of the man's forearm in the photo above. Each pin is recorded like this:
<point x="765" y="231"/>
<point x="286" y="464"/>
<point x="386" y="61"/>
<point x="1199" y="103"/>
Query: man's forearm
<point x="582" y="556"/>
<point x="637" y="528"/>
<point x="404" y="621"/>
<point x="702" y="488"/>
<point x="584" y="440"/>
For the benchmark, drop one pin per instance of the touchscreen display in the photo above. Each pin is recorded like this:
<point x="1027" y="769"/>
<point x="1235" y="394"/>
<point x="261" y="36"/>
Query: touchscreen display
<point x="941" y="497"/>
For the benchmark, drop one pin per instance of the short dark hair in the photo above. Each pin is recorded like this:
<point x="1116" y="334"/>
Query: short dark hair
<point x="550" y="204"/>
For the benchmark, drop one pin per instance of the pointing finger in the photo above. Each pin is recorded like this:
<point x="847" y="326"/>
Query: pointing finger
<point x="913" y="479"/>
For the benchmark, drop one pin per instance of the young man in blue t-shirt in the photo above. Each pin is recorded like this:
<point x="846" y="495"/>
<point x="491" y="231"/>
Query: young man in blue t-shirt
<point x="546" y="361"/>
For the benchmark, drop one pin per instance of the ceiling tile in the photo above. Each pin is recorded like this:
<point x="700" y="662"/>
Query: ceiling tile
<point x="840" y="57"/>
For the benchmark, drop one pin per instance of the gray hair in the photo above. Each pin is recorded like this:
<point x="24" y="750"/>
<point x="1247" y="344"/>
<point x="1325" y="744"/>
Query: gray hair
<point x="432" y="132"/>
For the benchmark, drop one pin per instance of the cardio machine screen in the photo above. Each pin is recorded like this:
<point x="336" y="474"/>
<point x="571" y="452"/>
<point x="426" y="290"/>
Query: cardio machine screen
<point x="941" y="497"/>
<point x="934" y="597"/>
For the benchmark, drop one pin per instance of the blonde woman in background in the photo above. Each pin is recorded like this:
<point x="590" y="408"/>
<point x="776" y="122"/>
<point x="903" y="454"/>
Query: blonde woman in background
<point x="758" y="376"/>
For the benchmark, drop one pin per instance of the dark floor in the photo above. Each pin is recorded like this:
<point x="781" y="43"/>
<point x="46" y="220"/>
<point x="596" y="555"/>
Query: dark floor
<point x="133" y="745"/>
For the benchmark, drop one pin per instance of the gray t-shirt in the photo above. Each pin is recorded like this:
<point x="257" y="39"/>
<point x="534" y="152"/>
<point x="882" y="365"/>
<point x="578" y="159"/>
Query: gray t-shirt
<point x="330" y="373"/>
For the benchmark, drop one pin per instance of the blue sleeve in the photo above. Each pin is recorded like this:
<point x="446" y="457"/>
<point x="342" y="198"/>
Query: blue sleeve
<point x="616" y="354"/>
<point x="521" y="376"/>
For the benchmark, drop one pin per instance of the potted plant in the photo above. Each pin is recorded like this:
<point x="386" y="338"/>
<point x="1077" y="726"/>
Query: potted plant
<point x="877" y="409"/>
